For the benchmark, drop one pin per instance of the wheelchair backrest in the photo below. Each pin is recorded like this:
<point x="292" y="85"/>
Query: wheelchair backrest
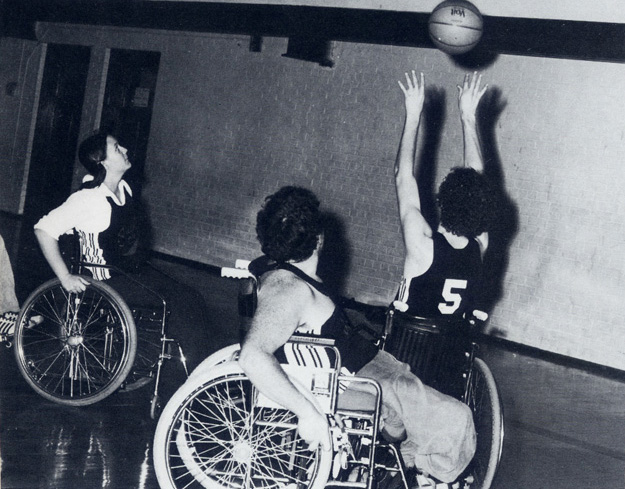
<point x="439" y="351"/>
<point x="319" y="375"/>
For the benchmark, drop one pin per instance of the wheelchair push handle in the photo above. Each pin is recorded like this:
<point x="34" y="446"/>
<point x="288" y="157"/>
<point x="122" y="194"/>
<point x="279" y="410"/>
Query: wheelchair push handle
<point x="231" y="272"/>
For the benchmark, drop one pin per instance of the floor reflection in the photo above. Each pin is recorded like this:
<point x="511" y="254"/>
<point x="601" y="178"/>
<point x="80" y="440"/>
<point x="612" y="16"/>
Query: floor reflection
<point x="46" y="445"/>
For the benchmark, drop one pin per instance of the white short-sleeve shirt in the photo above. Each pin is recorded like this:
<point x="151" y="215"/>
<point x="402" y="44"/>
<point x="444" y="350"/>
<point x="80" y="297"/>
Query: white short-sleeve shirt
<point x="88" y="212"/>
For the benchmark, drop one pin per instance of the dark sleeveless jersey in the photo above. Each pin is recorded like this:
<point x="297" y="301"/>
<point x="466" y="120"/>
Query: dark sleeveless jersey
<point x="120" y="238"/>
<point x="449" y="286"/>
<point x="355" y="350"/>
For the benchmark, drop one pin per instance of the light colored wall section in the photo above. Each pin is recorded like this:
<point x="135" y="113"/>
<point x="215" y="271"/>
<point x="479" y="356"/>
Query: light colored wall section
<point x="562" y="139"/>
<point x="230" y="126"/>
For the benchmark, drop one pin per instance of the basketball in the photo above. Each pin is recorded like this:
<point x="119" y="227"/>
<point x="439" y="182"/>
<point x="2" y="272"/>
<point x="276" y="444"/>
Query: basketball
<point x="455" y="26"/>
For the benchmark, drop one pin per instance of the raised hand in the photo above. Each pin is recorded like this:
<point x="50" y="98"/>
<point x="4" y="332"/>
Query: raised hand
<point x="470" y="94"/>
<point x="414" y="93"/>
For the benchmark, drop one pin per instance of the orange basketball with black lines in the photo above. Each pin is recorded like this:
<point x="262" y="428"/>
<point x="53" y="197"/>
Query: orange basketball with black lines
<point x="455" y="26"/>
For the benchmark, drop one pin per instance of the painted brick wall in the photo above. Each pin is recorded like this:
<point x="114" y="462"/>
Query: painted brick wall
<point x="231" y="126"/>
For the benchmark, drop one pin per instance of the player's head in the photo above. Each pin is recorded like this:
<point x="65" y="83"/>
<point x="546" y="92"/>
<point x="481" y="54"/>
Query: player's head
<point x="465" y="200"/>
<point x="289" y="224"/>
<point x="92" y="152"/>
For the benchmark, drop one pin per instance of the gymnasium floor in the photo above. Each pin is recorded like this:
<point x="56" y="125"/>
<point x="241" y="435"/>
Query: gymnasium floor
<point x="564" y="421"/>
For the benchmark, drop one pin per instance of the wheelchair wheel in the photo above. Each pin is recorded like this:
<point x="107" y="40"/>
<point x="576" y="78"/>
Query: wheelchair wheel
<point x="213" y="434"/>
<point x="75" y="349"/>
<point x="483" y="399"/>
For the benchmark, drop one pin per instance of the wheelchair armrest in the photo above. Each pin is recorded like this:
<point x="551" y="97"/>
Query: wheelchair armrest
<point x="84" y="264"/>
<point x="229" y="272"/>
<point x="313" y="340"/>
<point x="360" y="394"/>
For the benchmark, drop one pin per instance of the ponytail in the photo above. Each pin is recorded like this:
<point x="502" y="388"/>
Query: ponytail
<point x="91" y="153"/>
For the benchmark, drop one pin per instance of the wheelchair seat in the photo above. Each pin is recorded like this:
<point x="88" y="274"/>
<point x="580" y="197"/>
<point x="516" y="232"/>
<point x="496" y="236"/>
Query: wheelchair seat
<point x="358" y="396"/>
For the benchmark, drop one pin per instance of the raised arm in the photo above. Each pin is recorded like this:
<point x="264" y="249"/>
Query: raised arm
<point x="280" y="302"/>
<point x="414" y="226"/>
<point x="469" y="96"/>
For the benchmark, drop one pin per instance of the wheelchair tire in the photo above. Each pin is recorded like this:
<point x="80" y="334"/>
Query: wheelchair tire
<point x="212" y="435"/>
<point x="483" y="399"/>
<point x="75" y="349"/>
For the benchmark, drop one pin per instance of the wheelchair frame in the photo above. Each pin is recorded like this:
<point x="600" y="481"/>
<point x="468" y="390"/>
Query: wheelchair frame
<point x="77" y="349"/>
<point x="255" y="442"/>
<point x="192" y="450"/>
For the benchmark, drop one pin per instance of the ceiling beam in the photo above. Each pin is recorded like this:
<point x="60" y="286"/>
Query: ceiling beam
<point x="610" y="11"/>
<point x="593" y="41"/>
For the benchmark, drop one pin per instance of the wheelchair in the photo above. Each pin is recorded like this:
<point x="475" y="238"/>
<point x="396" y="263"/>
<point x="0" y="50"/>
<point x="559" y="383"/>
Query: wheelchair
<point x="218" y="431"/>
<point x="77" y="349"/>
<point x="444" y="355"/>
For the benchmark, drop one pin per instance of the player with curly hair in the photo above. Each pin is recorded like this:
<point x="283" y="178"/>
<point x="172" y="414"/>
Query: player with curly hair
<point x="437" y="430"/>
<point x="442" y="267"/>
<point x="289" y="224"/>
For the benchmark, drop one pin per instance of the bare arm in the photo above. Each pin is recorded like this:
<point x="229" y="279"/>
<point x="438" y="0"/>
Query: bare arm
<point x="469" y="96"/>
<point x="52" y="253"/>
<point x="415" y="228"/>
<point x="280" y="302"/>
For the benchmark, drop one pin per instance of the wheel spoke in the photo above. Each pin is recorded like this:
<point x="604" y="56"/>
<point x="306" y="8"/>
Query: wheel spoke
<point x="223" y="441"/>
<point x="64" y="355"/>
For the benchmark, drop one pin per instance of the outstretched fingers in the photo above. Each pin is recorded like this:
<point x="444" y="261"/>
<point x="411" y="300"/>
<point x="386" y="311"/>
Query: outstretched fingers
<point x="471" y="91"/>
<point x="472" y="83"/>
<point x="412" y="81"/>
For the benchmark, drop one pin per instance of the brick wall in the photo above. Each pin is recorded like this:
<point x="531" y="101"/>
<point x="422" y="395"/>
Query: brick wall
<point x="231" y="126"/>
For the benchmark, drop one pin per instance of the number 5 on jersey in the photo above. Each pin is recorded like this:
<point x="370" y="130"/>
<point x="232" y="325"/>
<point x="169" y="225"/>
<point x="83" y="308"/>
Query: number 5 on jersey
<point x="451" y="295"/>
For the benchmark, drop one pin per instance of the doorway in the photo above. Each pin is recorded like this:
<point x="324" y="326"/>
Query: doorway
<point x="128" y="101"/>
<point x="55" y="139"/>
<point x="56" y="128"/>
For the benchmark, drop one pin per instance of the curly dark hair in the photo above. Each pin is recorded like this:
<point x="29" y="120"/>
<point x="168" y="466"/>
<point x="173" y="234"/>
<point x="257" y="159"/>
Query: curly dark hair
<point x="466" y="202"/>
<point x="289" y="224"/>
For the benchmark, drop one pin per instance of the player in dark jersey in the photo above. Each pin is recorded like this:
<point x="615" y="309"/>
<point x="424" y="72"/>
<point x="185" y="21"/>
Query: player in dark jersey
<point x="443" y="266"/>
<point x="292" y="299"/>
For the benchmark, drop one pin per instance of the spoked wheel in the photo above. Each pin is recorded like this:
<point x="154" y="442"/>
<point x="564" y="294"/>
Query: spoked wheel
<point x="212" y="434"/>
<point x="483" y="399"/>
<point x="75" y="349"/>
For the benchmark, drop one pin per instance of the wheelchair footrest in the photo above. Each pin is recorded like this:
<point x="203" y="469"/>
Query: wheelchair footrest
<point x="144" y="372"/>
<point x="354" y="484"/>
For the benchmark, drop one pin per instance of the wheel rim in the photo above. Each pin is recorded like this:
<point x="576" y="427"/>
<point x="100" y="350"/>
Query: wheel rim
<point x="218" y="440"/>
<point x="483" y="399"/>
<point x="73" y="348"/>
